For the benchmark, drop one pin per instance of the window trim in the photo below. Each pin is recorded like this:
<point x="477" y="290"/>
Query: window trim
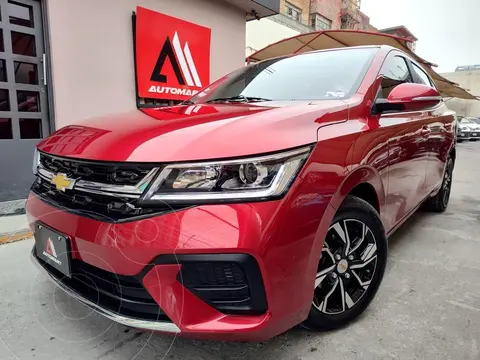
<point x="318" y="18"/>
<point x="389" y="56"/>
<point x="400" y="55"/>
<point x="432" y="83"/>
<point x="409" y="62"/>
<point x="295" y="10"/>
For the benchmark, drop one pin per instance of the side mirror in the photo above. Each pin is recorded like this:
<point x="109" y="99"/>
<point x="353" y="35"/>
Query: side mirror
<point x="408" y="97"/>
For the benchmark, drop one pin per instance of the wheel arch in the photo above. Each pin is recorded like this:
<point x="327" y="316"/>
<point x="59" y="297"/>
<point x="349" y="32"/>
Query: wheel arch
<point x="453" y="154"/>
<point x="365" y="183"/>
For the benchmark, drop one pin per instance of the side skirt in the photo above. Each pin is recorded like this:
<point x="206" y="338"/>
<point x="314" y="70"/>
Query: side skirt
<point x="413" y="211"/>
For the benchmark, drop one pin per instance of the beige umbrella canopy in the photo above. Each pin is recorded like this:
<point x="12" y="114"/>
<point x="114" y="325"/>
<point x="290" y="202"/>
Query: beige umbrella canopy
<point x="329" y="39"/>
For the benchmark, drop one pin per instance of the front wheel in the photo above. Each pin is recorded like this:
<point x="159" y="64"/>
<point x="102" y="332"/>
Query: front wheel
<point x="351" y="266"/>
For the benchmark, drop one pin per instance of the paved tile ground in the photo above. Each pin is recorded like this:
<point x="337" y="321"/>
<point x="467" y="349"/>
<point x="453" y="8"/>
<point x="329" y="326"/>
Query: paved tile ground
<point x="428" y="306"/>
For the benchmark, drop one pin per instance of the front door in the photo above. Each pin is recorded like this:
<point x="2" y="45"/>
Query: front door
<point x="407" y="152"/>
<point x="440" y="130"/>
<point x="23" y="96"/>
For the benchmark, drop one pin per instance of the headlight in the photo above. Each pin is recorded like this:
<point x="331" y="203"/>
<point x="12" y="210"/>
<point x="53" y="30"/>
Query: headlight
<point x="249" y="178"/>
<point x="36" y="161"/>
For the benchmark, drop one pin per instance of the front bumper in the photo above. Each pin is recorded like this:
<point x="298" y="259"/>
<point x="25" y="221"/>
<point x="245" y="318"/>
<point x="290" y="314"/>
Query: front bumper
<point x="475" y="134"/>
<point x="279" y="235"/>
<point x="464" y="135"/>
<point x="163" y="326"/>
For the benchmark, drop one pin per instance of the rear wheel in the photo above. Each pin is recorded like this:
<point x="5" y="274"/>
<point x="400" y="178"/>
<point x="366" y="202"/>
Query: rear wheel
<point x="351" y="267"/>
<point x="439" y="202"/>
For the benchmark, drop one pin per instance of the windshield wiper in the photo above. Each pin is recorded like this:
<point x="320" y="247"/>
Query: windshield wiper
<point x="239" y="98"/>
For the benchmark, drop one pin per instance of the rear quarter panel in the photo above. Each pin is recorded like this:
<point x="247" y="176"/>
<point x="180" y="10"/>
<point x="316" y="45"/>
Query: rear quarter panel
<point x="440" y="144"/>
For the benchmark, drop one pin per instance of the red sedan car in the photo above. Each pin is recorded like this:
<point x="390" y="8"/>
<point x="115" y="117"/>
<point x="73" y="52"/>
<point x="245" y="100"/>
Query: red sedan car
<point x="263" y="202"/>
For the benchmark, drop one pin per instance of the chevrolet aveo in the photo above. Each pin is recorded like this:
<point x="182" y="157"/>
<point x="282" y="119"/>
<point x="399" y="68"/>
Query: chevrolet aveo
<point x="263" y="202"/>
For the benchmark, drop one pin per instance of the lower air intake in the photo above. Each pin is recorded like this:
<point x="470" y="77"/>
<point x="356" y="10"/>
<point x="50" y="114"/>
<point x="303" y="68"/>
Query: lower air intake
<point x="232" y="287"/>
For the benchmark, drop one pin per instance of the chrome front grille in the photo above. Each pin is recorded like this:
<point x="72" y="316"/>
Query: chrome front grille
<point x="108" y="192"/>
<point x="107" y="208"/>
<point x="102" y="178"/>
<point x="96" y="172"/>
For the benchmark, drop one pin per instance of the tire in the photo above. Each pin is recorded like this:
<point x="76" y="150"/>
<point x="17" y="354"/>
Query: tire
<point x="439" y="202"/>
<point x="357" y="269"/>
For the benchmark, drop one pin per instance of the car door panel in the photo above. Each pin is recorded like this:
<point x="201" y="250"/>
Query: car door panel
<point x="407" y="160"/>
<point x="407" y="145"/>
<point x="440" y="133"/>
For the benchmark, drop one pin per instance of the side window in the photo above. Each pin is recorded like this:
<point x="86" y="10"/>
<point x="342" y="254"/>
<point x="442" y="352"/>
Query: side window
<point x="420" y="76"/>
<point x="395" y="72"/>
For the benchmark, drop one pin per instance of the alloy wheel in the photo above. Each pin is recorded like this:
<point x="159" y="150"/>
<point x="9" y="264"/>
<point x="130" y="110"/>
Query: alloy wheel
<point x="346" y="268"/>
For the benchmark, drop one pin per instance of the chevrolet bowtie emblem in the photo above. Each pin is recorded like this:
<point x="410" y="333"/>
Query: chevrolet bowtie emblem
<point x="62" y="182"/>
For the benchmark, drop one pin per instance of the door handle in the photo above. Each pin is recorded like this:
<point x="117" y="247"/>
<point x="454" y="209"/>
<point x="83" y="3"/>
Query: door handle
<point x="425" y="132"/>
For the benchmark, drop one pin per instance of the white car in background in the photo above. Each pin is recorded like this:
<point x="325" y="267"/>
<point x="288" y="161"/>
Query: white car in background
<point x="468" y="129"/>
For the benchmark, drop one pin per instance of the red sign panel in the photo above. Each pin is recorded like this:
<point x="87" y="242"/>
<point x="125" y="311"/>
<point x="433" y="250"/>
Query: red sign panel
<point x="173" y="56"/>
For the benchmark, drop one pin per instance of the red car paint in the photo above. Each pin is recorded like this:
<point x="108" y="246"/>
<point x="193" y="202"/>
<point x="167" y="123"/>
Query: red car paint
<point x="185" y="135"/>
<point x="400" y="156"/>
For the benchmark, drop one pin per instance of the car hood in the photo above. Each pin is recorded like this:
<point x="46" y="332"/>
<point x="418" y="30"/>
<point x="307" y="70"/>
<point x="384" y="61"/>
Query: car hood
<point x="469" y="126"/>
<point x="196" y="132"/>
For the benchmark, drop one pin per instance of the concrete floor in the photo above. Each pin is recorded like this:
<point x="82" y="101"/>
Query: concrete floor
<point x="428" y="306"/>
<point x="13" y="224"/>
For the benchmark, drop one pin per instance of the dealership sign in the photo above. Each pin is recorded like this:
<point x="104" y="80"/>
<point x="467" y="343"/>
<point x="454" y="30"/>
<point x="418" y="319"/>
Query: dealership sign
<point x="172" y="56"/>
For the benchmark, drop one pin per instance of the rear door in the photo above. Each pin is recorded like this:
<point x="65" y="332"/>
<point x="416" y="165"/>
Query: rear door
<point x="440" y="133"/>
<point x="407" y="158"/>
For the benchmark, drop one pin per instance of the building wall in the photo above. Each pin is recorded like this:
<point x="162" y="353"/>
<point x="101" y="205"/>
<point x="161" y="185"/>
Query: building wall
<point x="469" y="80"/>
<point x="92" y="50"/>
<point x="275" y="28"/>
<point x="264" y="32"/>
<point x="364" y="22"/>
<point x="329" y="9"/>
<point x="304" y="5"/>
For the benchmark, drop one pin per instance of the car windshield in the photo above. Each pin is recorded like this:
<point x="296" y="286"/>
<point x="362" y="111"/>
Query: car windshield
<point x="334" y="74"/>
<point x="474" y="120"/>
<point x="467" y="121"/>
